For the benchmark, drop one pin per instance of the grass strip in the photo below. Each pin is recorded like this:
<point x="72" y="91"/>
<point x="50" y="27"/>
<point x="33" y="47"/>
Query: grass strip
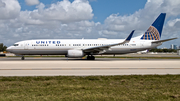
<point x="88" y="88"/>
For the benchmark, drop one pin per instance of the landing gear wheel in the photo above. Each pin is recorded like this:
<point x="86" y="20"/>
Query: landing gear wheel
<point x="90" y="58"/>
<point x="22" y="58"/>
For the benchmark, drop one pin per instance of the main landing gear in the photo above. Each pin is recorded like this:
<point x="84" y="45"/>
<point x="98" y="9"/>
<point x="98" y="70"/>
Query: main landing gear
<point x="90" y="57"/>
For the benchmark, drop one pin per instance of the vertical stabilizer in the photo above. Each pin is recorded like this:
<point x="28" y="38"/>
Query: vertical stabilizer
<point x="155" y="30"/>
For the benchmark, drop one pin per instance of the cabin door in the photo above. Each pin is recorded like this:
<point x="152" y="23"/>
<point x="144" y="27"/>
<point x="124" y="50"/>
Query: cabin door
<point x="142" y="44"/>
<point x="26" y="45"/>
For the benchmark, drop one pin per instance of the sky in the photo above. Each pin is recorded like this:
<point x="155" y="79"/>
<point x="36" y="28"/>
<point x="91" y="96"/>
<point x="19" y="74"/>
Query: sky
<point x="88" y="19"/>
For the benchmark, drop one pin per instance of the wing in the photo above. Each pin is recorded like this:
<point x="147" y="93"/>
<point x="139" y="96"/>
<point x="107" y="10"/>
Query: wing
<point x="102" y="49"/>
<point x="163" y="40"/>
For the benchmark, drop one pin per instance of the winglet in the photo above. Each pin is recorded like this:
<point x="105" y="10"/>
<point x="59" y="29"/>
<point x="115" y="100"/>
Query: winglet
<point x="130" y="36"/>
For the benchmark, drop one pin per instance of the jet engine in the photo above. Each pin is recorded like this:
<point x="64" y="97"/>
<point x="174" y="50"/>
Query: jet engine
<point x="75" y="53"/>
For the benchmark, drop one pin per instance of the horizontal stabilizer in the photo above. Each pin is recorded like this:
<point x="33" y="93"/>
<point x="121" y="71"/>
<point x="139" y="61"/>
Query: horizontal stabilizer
<point x="164" y="40"/>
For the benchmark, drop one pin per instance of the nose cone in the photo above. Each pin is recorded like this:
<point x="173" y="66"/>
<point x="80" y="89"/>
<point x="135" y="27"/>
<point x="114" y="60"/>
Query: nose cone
<point x="9" y="49"/>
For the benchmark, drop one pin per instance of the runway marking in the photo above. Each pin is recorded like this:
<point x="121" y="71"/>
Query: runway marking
<point x="121" y="58"/>
<point x="3" y="57"/>
<point x="84" y="68"/>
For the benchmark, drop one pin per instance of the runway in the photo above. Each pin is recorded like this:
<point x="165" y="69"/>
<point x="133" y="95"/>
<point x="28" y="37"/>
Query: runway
<point x="13" y="66"/>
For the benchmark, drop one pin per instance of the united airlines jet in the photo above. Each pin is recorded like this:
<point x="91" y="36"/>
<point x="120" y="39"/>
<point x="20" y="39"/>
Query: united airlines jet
<point x="77" y="48"/>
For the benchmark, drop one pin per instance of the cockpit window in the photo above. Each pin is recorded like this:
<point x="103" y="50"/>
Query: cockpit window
<point x="16" y="44"/>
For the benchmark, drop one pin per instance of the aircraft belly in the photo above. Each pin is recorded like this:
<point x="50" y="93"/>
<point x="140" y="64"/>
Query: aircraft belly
<point x="41" y="52"/>
<point x="48" y="52"/>
<point x="117" y="51"/>
<point x="123" y="50"/>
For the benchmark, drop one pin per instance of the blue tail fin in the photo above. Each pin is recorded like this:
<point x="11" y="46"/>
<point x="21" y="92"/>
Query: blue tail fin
<point x="155" y="30"/>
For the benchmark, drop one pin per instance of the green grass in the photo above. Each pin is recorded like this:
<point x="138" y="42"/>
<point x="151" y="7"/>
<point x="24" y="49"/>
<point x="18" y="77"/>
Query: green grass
<point x="91" y="88"/>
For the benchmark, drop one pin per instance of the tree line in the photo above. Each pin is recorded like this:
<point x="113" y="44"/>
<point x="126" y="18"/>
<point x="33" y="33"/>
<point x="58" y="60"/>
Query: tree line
<point x="2" y="47"/>
<point x="163" y="50"/>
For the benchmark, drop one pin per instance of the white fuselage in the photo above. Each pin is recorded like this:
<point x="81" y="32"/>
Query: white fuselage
<point x="61" y="46"/>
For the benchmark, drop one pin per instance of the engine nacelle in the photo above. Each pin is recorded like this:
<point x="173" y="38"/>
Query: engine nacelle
<point x="75" y="53"/>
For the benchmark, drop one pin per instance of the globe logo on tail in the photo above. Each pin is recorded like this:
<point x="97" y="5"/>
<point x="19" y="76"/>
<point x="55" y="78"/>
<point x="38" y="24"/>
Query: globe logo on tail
<point x="151" y="34"/>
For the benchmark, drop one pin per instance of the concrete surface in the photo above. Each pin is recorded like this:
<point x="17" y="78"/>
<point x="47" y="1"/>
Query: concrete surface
<point x="79" y="67"/>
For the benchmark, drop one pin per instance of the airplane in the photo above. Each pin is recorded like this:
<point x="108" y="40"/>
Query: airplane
<point x="143" y="52"/>
<point x="78" y="48"/>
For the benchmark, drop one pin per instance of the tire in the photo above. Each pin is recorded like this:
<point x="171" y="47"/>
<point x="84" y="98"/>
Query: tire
<point x="90" y="58"/>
